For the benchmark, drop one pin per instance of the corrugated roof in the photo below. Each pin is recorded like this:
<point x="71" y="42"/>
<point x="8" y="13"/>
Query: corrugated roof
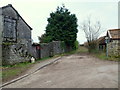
<point x="114" y="33"/>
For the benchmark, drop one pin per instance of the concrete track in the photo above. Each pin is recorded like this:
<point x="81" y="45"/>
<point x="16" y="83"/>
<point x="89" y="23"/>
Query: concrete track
<point x="74" y="71"/>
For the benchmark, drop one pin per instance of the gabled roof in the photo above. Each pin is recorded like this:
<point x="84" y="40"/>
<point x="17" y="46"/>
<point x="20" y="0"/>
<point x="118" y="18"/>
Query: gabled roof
<point x="114" y="33"/>
<point x="10" y="5"/>
<point x="101" y="40"/>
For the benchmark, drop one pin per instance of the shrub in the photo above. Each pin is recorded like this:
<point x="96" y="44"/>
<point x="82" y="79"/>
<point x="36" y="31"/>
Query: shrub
<point x="92" y="46"/>
<point x="76" y="44"/>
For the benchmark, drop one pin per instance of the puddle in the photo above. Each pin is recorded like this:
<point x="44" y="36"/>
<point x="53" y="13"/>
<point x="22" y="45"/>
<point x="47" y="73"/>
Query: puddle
<point x="80" y="57"/>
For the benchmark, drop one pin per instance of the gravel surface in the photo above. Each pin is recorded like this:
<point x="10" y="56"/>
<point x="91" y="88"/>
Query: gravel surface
<point x="74" y="71"/>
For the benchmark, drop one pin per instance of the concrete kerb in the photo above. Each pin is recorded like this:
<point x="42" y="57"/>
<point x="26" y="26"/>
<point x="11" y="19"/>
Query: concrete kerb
<point x="19" y="78"/>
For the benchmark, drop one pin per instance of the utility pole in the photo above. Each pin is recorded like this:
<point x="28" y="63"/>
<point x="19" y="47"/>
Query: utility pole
<point x="106" y="41"/>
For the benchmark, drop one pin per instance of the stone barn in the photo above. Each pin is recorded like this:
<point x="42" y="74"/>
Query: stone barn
<point x="101" y="43"/>
<point x="114" y="42"/>
<point x="15" y="35"/>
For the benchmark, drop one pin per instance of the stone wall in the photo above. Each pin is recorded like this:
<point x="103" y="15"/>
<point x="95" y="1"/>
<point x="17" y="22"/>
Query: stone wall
<point x="24" y="35"/>
<point x="35" y="53"/>
<point x="57" y="48"/>
<point x="51" y="49"/>
<point x="114" y="48"/>
<point x="14" y="53"/>
<point x="8" y="11"/>
<point x="47" y="49"/>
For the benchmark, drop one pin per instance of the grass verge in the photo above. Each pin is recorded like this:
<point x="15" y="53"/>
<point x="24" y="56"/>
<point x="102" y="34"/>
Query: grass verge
<point x="11" y="71"/>
<point x="81" y="49"/>
<point x="102" y="56"/>
<point x="98" y="54"/>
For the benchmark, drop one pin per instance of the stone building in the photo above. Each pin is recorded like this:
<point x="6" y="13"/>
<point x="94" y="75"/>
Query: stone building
<point x="114" y="42"/>
<point x="15" y="35"/>
<point x="101" y="43"/>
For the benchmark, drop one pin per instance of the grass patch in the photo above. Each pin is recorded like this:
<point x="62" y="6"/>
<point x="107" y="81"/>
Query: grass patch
<point x="42" y="59"/>
<point x="82" y="49"/>
<point x="10" y="71"/>
<point x="102" y="55"/>
<point x="68" y="53"/>
<point x="99" y="54"/>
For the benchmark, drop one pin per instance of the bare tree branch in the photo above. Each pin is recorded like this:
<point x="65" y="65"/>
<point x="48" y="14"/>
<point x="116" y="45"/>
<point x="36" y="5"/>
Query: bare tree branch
<point x="92" y="31"/>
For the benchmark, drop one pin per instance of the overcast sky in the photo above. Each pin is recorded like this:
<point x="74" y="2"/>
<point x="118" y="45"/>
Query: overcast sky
<point x="36" y="12"/>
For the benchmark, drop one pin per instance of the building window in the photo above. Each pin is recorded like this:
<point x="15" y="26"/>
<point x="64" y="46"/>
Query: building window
<point x="9" y="32"/>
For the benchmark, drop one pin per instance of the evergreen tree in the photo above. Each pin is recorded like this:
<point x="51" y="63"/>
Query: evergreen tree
<point x="62" y="26"/>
